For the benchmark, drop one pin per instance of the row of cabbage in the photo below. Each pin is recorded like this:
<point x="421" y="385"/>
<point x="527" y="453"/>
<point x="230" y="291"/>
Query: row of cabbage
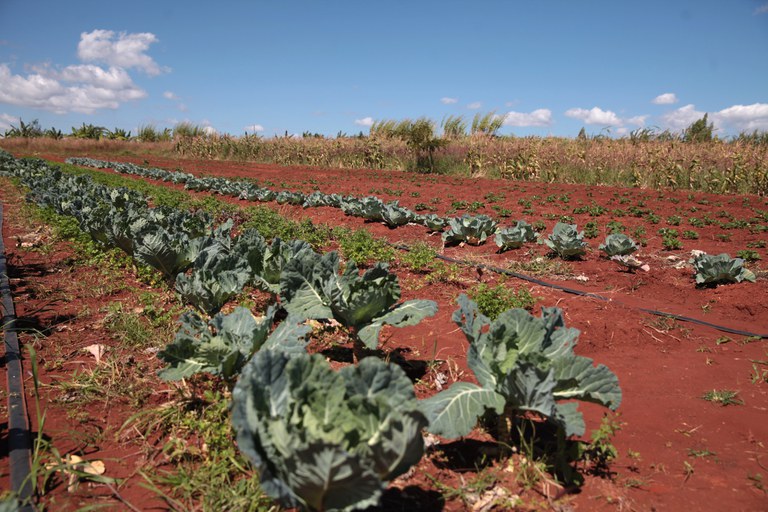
<point x="472" y="229"/>
<point x="323" y="439"/>
<point x="565" y="240"/>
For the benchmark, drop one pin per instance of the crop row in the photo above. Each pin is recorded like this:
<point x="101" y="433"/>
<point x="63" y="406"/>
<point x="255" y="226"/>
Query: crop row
<point x="565" y="240"/>
<point x="323" y="439"/>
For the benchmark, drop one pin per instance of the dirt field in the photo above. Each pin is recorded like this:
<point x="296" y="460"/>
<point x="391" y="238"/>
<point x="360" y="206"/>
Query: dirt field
<point x="677" y="451"/>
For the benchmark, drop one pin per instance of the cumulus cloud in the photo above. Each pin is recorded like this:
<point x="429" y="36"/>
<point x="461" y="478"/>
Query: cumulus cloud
<point x="636" y="120"/>
<point x="744" y="117"/>
<point x="7" y="121"/>
<point x="448" y="101"/>
<point x="254" y="128"/>
<point x="539" y="117"/>
<point x="681" y="118"/>
<point x="84" y="88"/>
<point x="121" y="50"/>
<point x="595" y="115"/>
<point x="474" y="105"/>
<point x="210" y="130"/>
<point x="170" y="96"/>
<point x="366" y="121"/>
<point x="668" y="98"/>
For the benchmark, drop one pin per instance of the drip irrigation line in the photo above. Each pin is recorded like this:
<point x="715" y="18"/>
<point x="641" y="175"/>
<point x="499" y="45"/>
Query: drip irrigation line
<point x="19" y="445"/>
<point x="566" y="289"/>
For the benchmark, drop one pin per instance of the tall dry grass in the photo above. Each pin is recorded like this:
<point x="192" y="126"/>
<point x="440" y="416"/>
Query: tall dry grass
<point x="86" y="147"/>
<point x="716" y="166"/>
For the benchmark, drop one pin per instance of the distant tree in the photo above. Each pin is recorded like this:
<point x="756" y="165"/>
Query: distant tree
<point x="25" y="130"/>
<point x="699" y="131"/>
<point x="89" y="131"/>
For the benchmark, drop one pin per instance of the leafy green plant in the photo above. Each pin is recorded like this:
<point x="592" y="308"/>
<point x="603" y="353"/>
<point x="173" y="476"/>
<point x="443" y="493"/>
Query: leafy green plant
<point x="748" y="255"/>
<point x="720" y="269"/>
<point x="618" y="244"/>
<point x="432" y="221"/>
<point x="689" y="234"/>
<point x="361" y="246"/>
<point x="324" y="440"/>
<point x="494" y="300"/>
<point x="523" y="364"/>
<point x="419" y="257"/>
<point x="473" y="230"/>
<point x="723" y="397"/>
<point x="311" y="287"/>
<point x="514" y="237"/>
<point x="591" y="230"/>
<point x="223" y="345"/>
<point x="566" y="241"/>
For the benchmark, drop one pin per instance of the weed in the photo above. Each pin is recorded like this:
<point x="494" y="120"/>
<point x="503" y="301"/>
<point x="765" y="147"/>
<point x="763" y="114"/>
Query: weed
<point x="700" y="454"/>
<point x="690" y="235"/>
<point x="723" y="397"/>
<point x="493" y="300"/>
<point x="600" y="451"/>
<point x="615" y="226"/>
<point x="209" y="473"/>
<point x="444" y="273"/>
<point x="419" y="258"/>
<point x="360" y="246"/>
<point x="748" y="255"/>
<point x="591" y="230"/>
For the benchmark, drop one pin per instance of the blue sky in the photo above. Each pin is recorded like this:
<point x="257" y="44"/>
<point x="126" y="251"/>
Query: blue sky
<point x="548" y="67"/>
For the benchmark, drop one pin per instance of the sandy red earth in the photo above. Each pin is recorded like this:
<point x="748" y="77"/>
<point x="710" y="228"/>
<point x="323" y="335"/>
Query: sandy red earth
<point x="677" y="451"/>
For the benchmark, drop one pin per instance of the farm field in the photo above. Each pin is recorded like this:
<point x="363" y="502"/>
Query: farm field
<point x="674" y="447"/>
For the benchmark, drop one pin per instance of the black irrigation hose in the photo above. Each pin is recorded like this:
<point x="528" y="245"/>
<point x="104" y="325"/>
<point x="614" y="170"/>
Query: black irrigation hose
<point x="581" y="293"/>
<point x="19" y="444"/>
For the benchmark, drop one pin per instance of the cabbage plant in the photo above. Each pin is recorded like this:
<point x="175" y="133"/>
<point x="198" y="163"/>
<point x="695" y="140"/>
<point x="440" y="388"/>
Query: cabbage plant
<point x="712" y="270"/>
<point x="312" y="287"/>
<point x="323" y="440"/>
<point x="223" y="345"/>
<point x="523" y="364"/>
<point x="618" y="244"/>
<point x="566" y="241"/>
<point x="514" y="237"/>
<point x="473" y="230"/>
<point x="432" y="221"/>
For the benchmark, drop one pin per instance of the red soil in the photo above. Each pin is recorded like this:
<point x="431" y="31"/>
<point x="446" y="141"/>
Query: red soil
<point x="677" y="451"/>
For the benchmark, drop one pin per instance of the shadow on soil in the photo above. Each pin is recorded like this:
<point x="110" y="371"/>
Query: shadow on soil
<point x="409" y="499"/>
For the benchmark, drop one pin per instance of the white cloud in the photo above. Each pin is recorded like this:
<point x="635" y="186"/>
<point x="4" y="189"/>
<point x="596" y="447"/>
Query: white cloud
<point x="681" y="118"/>
<point x="668" y="98"/>
<point x="85" y="88"/>
<point x="744" y="117"/>
<point x="121" y="50"/>
<point x="254" y="128"/>
<point x="637" y="120"/>
<point x="92" y="88"/>
<point x="448" y="101"/>
<point x="539" y="117"/>
<point x="366" y="121"/>
<point x="761" y="10"/>
<point x="475" y="105"/>
<point x="210" y="130"/>
<point x="7" y="121"/>
<point x="170" y="96"/>
<point x="595" y="115"/>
